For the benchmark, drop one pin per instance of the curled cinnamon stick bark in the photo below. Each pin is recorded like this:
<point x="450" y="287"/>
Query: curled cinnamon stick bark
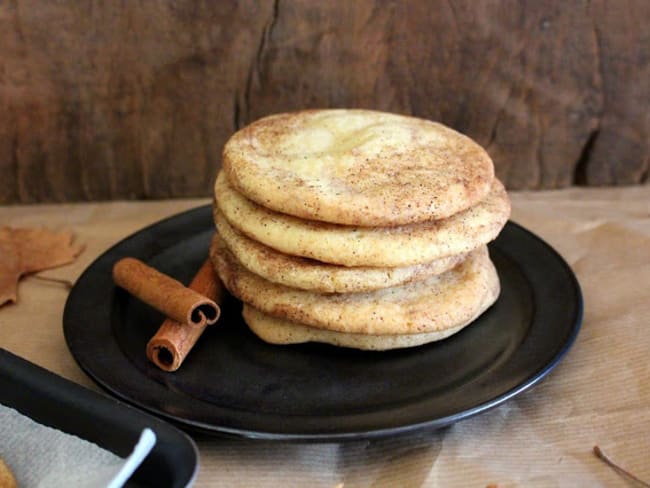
<point x="164" y="293"/>
<point x="169" y="347"/>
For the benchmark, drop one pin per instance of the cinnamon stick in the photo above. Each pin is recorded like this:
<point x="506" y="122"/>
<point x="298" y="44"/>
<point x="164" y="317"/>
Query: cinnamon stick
<point x="169" y="296"/>
<point x="169" y="347"/>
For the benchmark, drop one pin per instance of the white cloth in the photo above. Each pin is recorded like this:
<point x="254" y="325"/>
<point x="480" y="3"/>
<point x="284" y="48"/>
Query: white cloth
<point x="44" y="457"/>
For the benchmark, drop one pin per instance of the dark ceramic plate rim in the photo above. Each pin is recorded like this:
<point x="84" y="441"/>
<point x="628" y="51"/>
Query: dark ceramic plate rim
<point x="170" y="229"/>
<point x="52" y="400"/>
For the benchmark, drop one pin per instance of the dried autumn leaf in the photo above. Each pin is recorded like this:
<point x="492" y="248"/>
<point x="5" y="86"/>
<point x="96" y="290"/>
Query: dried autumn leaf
<point x="25" y="250"/>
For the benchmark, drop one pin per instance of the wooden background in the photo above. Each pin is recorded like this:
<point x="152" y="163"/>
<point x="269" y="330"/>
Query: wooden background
<point x="105" y="100"/>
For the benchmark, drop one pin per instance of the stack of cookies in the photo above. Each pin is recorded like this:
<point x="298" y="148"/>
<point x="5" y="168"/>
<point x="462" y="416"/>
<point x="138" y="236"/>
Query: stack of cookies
<point x="357" y="228"/>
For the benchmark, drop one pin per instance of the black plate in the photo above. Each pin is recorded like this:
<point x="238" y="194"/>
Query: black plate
<point x="233" y="383"/>
<point x="58" y="403"/>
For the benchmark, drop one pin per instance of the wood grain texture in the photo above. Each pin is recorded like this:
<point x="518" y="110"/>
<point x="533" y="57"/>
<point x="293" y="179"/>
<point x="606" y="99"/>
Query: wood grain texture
<point x="620" y="151"/>
<point x="135" y="99"/>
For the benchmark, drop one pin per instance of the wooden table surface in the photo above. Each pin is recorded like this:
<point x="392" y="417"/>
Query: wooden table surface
<point x="598" y="395"/>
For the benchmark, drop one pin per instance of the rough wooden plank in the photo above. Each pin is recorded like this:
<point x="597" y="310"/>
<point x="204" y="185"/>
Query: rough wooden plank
<point x="135" y="99"/>
<point x="520" y="77"/>
<point x="119" y="100"/>
<point x="620" y="153"/>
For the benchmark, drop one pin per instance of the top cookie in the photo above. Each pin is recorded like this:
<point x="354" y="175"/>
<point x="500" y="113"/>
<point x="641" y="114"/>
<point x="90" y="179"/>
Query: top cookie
<point x="357" y="167"/>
